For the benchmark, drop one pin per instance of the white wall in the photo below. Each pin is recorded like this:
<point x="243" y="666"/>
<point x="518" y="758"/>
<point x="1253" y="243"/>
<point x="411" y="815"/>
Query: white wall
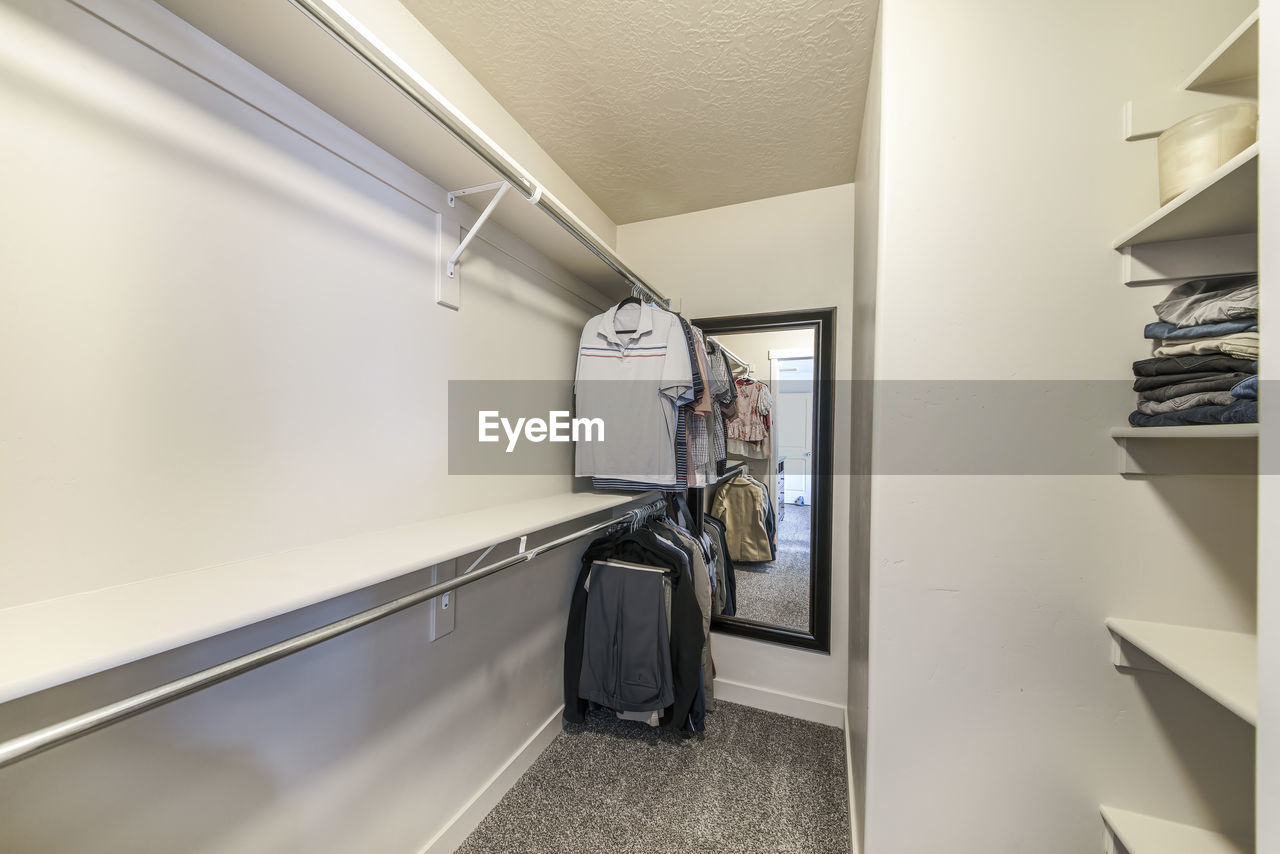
<point x="1269" y="462"/>
<point x="866" y="267"/>
<point x="218" y="340"/>
<point x="275" y="31"/>
<point x="787" y="253"/>
<point x="996" y="721"/>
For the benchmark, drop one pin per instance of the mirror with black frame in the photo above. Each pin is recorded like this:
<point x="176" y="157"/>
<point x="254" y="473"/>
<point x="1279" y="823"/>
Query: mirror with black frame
<point x="771" y="506"/>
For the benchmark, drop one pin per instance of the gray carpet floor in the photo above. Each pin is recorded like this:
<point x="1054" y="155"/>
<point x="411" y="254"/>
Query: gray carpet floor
<point x="777" y="592"/>
<point x="757" y="783"/>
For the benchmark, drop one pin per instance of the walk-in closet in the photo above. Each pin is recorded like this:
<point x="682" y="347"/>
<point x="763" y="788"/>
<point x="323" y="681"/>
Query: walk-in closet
<point x="802" y="427"/>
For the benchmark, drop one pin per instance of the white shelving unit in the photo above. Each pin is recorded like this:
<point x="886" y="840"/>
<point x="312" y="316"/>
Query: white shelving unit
<point x="1136" y="833"/>
<point x="1233" y="61"/>
<point x="1223" y="665"/>
<point x="1200" y="431"/>
<point x="1211" y="229"/>
<point x="1220" y="204"/>
<point x="1199" y="449"/>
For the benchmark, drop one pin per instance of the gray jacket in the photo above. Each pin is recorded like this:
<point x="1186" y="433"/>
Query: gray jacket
<point x="626" y="660"/>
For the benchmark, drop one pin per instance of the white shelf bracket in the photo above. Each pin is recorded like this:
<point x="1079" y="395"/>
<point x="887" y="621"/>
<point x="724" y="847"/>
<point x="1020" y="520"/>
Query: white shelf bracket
<point x="1126" y="656"/>
<point x="501" y="187"/>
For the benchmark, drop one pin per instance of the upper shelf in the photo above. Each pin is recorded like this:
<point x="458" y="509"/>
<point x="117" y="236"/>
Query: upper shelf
<point x="1224" y="665"/>
<point x="1225" y="202"/>
<point x="117" y="625"/>
<point x="1234" y="61"/>
<point x="1144" y="834"/>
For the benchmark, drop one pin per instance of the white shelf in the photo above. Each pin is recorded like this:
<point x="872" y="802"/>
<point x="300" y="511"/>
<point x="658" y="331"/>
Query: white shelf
<point x="1144" y="834"/>
<point x="1224" y="665"/>
<point x="1236" y="59"/>
<point x="1197" y="431"/>
<point x="74" y="636"/>
<point x="1223" y="203"/>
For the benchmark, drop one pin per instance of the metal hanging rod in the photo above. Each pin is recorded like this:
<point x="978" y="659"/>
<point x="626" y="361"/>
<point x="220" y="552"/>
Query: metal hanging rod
<point x="369" y="49"/>
<point x="17" y="749"/>
<point x="733" y="356"/>
<point x="730" y="471"/>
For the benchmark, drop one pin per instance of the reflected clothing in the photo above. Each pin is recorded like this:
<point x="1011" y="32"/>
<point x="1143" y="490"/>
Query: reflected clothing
<point x="755" y="403"/>
<point x="1246" y="389"/>
<point x="1202" y="383"/>
<point x="740" y="504"/>
<point x="1206" y="301"/>
<point x="1161" y="331"/>
<point x="1240" y="412"/>
<point x="1163" y="365"/>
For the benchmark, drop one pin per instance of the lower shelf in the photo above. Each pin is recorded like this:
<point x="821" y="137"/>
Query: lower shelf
<point x="1224" y="665"/>
<point x="1194" y="450"/>
<point x="1134" y="833"/>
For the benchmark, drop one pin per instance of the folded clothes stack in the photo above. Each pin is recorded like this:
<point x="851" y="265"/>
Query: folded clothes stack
<point x="1205" y="366"/>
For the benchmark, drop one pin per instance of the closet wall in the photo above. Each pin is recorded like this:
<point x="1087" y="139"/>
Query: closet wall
<point x="1269" y="461"/>
<point x="784" y="253"/>
<point x="868" y="204"/>
<point x="1003" y="178"/>
<point x="220" y="340"/>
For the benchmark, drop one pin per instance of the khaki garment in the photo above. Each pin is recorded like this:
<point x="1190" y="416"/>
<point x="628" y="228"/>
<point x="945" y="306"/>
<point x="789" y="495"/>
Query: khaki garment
<point x="702" y="589"/>
<point x="1242" y="345"/>
<point x="740" y="506"/>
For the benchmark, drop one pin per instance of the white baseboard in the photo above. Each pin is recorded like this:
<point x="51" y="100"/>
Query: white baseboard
<point x="848" y="767"/>
<point x="465" y="820"/>
<point x="792" y="705"/>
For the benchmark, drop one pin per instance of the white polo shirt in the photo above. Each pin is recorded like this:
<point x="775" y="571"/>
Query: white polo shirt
<point x="634" y="381"/>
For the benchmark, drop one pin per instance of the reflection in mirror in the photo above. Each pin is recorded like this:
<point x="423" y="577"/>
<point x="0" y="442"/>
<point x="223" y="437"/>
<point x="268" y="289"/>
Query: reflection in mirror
<point x="770" y="435"/>
<point x="768" y="503"/>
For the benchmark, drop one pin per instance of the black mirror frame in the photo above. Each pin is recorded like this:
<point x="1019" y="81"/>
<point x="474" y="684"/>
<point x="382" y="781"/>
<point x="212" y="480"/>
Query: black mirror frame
<point x="823" y="320"/>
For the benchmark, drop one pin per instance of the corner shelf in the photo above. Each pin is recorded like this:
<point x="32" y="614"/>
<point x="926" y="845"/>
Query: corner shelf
<point x="1223" y="665"/>
<point x="1220" y="204"/>
<point x="1236" y="59"/>
<point x="1144" y="834"/>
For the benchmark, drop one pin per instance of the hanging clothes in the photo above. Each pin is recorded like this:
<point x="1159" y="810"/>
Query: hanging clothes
<point x="748" y="433"/>
<point x="743" y="505"/>
<point x="618" y="672"/>
<point x="626" y="662"/>
<point x="723" y="392"/>
<point x="646" y="374"/>
<point x="635" y="373"/>
<point x="703" y="585"/>
<point x="724" y="566"/>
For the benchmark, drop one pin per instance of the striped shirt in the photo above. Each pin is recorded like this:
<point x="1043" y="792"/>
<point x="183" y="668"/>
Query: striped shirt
<point x="634" y="372"/>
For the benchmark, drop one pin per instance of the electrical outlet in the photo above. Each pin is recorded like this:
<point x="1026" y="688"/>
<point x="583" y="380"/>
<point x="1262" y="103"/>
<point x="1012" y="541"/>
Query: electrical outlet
<point x="443" y="607"/>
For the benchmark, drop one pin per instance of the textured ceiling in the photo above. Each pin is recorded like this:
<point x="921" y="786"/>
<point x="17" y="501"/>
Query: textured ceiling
<point x="659" y="107"/>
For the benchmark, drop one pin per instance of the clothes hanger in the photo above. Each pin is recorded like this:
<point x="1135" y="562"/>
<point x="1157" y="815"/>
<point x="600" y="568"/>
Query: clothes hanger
<point x="625" y="302"/>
